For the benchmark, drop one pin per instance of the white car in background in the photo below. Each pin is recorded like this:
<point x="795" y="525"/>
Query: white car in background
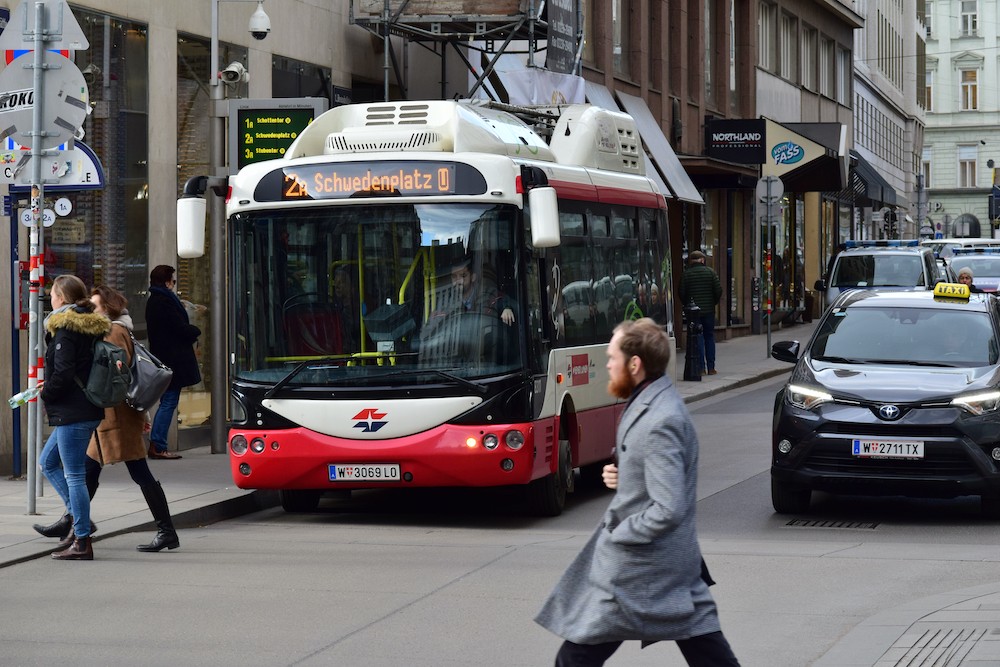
<point x="883" y="265"/>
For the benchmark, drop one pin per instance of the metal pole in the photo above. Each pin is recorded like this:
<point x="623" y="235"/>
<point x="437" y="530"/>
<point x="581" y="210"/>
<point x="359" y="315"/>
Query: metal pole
<point x="770" y="270"/>
<point x="36" y="338"/>
<point x="217" y="239"/>
<point x="386" y="45"/>
<point x="15" y="341"/>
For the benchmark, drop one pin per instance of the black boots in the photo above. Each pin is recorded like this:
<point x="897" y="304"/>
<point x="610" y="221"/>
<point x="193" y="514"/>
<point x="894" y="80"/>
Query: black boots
<point x="58" y="529"/>
<point x="80" y="549"/>
<point x="166" y="536"/>
<point x="61" y="528"/>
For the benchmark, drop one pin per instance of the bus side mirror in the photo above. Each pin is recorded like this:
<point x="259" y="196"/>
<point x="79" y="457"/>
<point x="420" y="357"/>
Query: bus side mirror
<point x="191" y="227"/>
<point x="544" y="207"/>
<point x="820" y="286"/>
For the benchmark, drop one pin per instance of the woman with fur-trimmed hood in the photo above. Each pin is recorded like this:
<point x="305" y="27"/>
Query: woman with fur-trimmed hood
<point x="70" y="332"/>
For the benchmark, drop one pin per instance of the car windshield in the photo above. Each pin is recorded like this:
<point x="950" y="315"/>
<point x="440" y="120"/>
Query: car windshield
<point x="982" y="266"/>
<point x="879" y="270"/>
<point x="918" y="336"/>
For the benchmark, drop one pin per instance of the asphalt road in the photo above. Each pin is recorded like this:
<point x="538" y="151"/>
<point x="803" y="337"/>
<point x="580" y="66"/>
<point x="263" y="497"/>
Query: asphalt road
<point x="454" y="578"/>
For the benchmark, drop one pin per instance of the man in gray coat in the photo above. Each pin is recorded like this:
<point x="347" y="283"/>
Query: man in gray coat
<point x="640" y="575"/>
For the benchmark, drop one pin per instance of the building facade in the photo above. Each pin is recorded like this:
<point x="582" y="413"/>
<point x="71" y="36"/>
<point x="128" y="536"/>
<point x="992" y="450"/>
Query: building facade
<point x="962" y="143"/>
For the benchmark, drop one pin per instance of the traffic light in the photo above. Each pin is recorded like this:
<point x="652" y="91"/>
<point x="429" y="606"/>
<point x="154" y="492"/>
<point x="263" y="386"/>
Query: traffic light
<point x="891" y="224"/>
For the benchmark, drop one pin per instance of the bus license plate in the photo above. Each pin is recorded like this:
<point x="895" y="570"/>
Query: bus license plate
<point x="364" y="472"/>
<point x="888" y="449"/>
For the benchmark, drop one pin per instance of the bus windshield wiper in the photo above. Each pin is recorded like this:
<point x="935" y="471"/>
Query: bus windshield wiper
<point x="448" y="376"/>
<point x="292" y="373"/>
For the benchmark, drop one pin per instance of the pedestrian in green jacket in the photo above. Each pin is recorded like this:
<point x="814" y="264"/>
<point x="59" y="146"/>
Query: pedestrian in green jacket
<point x="700" y="284"/>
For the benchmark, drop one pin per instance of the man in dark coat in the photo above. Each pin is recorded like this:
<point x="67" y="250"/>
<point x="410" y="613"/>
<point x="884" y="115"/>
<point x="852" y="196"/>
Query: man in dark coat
<point x="701" y="285"/>
<point x="171" y="339"/>
<point x="640" y="576"/>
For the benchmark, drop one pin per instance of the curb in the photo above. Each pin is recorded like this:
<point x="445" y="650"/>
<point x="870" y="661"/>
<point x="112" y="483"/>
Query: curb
<point x="195" y="517"/>
<point x="741" y="382"/>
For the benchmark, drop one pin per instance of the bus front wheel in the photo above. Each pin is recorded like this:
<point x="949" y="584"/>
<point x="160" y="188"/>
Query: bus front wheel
<point x="547" y="496"/>
<point x="298" y="502"/>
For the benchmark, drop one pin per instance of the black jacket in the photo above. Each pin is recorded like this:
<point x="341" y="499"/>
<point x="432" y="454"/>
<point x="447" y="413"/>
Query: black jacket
<point x="172" y="336"/>
<point x="69" y="337"/>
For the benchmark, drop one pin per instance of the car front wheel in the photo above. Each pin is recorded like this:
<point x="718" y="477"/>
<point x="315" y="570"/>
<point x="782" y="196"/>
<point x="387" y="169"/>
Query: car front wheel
<point x="788" y="499"/>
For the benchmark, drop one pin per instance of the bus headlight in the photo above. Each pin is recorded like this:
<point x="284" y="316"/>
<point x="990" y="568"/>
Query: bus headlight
<point x="257" y="445"/>
<point x="490" y="441"/>
<point x="514" y="440"/>
<point x="239" y="445"/>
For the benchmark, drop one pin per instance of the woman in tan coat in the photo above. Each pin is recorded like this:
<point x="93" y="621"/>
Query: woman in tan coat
<point x="119" y="435"/>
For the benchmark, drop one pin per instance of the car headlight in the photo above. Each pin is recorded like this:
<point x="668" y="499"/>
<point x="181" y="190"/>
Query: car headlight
<point x="806" y="398"/>
<point x="977" y="404"/>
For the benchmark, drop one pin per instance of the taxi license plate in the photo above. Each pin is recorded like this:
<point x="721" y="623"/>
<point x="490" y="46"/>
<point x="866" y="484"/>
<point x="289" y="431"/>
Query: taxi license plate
<point x="364" y="472"/>
<point x="888" y="449"/>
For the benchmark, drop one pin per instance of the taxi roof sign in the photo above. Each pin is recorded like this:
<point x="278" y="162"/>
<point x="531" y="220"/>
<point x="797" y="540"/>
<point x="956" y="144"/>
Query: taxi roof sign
<point x="952" y="291"/>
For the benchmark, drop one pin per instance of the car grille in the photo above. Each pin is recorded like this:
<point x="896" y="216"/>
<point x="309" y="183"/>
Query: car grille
<point x="917" y="431"/>
<point x="943" y="462"/>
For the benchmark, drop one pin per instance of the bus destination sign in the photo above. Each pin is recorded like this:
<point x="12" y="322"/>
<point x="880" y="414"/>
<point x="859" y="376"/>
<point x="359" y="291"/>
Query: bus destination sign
<point x="401" y="178"/>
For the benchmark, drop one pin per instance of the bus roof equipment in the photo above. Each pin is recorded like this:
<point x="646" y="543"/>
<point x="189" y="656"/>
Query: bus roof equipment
<point x="579" y="134"/>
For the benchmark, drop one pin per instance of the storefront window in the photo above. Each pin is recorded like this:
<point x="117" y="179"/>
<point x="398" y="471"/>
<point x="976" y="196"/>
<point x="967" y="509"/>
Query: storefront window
<point x="194" y="71"/>
<point x="738" y="269"/>
<point x="103" y="240"/>
<point x="710" y="236"/>
<point x="294" y="78"/>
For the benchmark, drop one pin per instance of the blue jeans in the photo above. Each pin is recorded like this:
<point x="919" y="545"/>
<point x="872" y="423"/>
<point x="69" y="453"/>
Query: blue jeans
<point x="64" y="464"/>
<point x="707" y="350"/>
<point x="163" y="418"/>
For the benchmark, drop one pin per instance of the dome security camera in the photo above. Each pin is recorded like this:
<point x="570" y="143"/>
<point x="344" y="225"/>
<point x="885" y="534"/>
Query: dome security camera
<point x="260" y="23"/>
<point x="235" y="73"/>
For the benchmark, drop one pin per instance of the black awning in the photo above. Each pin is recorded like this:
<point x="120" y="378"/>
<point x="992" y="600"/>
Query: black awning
<point x="870" y="189"/>
<point x="823" y="174"/>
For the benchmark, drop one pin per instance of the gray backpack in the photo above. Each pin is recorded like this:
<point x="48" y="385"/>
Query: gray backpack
<point x="110" y="375"/>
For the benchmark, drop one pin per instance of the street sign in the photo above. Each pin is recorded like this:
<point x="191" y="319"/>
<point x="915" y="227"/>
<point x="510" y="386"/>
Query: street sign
<point x="770" y="189"/>
<point x="76" y="168"/>
<point x="64" y="32"/>
<point x="27" y="219"/>
<point x="65" y="101"/>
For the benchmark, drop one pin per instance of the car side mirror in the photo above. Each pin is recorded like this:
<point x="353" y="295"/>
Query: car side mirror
<point x="786" y="350"/>
<point x="820" y="286"/>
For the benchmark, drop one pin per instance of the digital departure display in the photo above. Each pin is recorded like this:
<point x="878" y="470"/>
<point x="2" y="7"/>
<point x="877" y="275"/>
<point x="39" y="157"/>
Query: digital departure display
<point x="342" y="180"/>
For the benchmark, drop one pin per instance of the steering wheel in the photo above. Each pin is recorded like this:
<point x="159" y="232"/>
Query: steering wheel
<point x="304" y="297"/>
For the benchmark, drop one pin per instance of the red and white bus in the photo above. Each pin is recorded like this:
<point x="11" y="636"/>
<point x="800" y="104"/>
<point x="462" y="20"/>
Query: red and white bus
<point x="358" y="362"/>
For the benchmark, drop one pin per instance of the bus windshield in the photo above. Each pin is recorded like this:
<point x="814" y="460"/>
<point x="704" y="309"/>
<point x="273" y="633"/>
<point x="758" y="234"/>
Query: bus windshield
<point x="353" y="294"/>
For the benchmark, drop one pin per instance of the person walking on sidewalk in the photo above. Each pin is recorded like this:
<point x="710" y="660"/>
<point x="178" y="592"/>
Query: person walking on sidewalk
<point x="70" y="333"/>
<point x="171" y="340"/>
<point x="119" y="436"/>
<point x="641" y="575"/>
<point x="701" y="284"/>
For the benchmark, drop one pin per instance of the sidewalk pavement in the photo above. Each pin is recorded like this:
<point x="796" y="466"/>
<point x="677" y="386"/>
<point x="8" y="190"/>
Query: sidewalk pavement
<point x="954" y="629"/>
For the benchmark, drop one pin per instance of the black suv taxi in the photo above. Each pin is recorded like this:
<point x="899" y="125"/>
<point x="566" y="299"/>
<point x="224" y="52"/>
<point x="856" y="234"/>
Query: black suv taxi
<point x="897" y="393"/>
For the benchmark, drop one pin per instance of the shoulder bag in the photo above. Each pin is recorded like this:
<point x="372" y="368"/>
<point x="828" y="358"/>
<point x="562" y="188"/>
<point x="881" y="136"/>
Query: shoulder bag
<point x="150" y="378"/>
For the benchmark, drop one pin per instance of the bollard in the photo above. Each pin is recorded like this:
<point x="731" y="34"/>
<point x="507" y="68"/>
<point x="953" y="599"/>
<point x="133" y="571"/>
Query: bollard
<point x="692" y="356"/>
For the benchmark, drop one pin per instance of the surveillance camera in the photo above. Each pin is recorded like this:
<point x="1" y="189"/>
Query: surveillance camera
<point x="234" y="74"/>
<point x="260" y="24"/>
<point x="92" y="71"/>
